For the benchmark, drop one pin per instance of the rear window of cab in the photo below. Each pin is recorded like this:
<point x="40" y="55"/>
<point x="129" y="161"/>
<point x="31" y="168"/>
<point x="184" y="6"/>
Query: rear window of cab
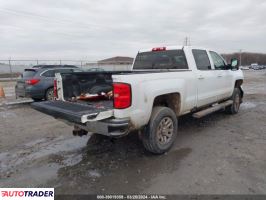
<point x="168" y="59"/>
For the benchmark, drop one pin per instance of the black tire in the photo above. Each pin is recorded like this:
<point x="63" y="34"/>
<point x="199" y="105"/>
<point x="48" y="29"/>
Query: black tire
<point x="36" y="99"/>
<point x="49" y="94"/>
<point x="236" y="97"/>
<point x="155" y="137"/>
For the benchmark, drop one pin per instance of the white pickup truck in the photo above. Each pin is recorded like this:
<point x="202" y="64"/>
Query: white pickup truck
<point x="164" y="84"/>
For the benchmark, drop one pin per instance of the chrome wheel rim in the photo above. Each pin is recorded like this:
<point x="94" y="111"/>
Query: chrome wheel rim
<point x="165" y="130"/>
<point x="50" y="95"/>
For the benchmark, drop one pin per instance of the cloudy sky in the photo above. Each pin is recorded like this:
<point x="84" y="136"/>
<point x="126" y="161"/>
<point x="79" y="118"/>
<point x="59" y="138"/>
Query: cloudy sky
<point x="95" y="29"/>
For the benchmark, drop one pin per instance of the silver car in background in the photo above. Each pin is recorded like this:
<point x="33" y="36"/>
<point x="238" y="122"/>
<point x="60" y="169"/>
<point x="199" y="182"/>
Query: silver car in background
<point x="38" y="82"/>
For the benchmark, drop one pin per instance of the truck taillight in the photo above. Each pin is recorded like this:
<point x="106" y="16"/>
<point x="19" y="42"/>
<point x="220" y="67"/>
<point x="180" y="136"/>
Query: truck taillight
<point x="55" y="89"/>
<point x="122" y="95"/>
<point x="32" y="81"/>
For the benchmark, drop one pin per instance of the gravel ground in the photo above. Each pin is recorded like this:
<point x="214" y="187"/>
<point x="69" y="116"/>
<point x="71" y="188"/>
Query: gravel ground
<point x="219" y="154"/>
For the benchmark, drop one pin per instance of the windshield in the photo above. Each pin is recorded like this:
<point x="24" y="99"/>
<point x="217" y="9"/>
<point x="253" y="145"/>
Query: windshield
<point x="171" y="59"/>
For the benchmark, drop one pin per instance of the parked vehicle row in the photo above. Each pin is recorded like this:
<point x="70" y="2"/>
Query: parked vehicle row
<point x="38" y="82"/>
<point x="256" y="66"/>
<point x="253" y="66"/>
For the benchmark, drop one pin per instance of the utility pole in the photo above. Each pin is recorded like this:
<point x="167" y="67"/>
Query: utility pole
<point x="10" y="69"/>
<point x="187" y="41"/>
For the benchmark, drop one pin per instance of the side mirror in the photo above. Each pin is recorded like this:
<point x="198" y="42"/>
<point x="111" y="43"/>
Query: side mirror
<point x="234" y="64"/>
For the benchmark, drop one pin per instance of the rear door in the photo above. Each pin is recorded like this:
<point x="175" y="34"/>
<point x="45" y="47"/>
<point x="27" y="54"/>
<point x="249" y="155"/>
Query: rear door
<point x="48" y="78"/>
<point x="206" y="81"/>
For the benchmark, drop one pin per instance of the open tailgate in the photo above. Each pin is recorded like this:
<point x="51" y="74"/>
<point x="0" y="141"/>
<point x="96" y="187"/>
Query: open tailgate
<point x="76" y="112"/>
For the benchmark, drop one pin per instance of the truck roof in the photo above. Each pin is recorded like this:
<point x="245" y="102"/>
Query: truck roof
<point x="160" y="48"/>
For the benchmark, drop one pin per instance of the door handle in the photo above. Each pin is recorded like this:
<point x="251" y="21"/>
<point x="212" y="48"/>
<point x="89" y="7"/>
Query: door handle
<point x="219" y="76"/>
<point x="200" y="77"/>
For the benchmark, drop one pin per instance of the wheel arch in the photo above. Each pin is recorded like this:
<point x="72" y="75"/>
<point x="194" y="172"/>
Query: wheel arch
<point x="170" y="100"/>
<point x="238" y="84"/>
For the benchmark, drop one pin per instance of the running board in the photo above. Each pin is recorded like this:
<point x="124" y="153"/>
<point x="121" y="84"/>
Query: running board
<point x="212" y="109"/>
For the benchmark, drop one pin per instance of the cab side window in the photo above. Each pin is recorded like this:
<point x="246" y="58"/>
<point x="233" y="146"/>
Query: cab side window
<point x="218" y="62"/>
<point x="49" y="73"/>
<point x="201" y="59"/>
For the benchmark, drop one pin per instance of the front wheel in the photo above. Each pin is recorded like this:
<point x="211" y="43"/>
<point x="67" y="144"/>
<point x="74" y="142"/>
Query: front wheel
<point x="236" y="97"/>
<point x="160" y="134"/>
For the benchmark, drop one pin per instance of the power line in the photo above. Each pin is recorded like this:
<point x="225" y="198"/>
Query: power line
<point x="48" y="19"/>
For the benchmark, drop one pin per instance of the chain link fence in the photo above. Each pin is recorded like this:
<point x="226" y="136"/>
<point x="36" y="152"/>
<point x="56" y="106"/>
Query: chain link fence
<point x="12" y="69"/>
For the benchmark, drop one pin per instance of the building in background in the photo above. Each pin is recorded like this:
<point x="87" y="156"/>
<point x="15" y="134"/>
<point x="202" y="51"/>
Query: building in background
<point x="118" y="60"/>
<point x="118" y="63"/>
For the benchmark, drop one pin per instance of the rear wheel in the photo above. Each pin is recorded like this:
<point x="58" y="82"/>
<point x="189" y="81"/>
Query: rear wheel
<point x="49" y="95"/>
<point x="236" y="97"/>
<point x="161" y="132"/>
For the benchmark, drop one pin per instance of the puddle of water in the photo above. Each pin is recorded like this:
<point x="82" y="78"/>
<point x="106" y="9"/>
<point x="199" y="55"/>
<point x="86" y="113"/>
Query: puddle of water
<point x="3" y="165"/>
<point x="7" y="114"/>
<point x="94" y="174"/>
<point x="248" y="105"/>
<point x="71" y="160"/>
<point x="43" y="173"/>
<point x="124" y="163"/>
<point x="32" y="178"/>
<point x="3" y="155"/>
<point x="41" y="148"/>
<point x="35" y="142"/>
<point x="71" y="144"/>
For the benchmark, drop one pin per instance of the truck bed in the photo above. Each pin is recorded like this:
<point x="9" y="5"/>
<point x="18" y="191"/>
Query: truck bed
<point x="73" y="111"/>
<point x="76" y="84"/>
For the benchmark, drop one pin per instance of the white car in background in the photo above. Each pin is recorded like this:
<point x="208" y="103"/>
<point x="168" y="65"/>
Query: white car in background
<point x="244" y="67"/>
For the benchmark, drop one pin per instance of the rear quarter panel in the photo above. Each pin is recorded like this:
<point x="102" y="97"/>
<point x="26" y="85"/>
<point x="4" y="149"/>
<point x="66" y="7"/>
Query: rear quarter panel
<point x="146" y="87"/>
